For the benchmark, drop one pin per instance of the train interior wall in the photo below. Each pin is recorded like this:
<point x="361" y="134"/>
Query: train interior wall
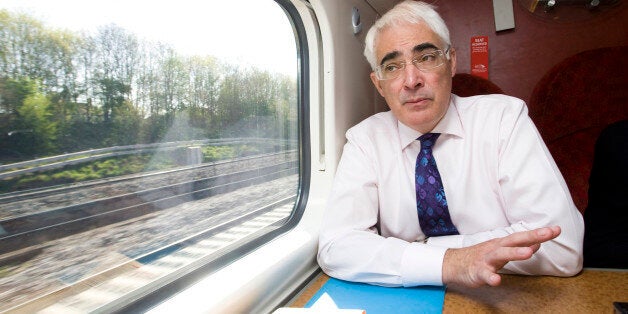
<point x="518" y="58"/>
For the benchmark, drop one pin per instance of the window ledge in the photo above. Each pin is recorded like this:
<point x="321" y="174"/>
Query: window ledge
<point x="255" y="283"/>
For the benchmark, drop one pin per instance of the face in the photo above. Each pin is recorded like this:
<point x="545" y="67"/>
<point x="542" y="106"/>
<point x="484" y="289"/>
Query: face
<point x="418" y="99"/>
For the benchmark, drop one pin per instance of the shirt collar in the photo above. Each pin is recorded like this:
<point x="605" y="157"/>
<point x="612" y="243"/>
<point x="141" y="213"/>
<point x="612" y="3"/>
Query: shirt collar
<point x="449" y="124"/>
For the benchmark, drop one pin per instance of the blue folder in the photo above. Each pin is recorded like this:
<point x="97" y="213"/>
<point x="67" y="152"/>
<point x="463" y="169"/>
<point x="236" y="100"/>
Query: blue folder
<point x="377" y="299"/>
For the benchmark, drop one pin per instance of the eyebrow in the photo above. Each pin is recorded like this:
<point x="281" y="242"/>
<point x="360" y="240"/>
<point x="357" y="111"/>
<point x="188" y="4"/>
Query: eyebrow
<point x="415" y="49"/>
<point x="423" y="46"/>
<point x="389" y="56"/>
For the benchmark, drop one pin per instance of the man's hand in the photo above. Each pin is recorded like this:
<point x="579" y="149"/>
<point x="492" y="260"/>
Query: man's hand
<point x="478" y="265"/>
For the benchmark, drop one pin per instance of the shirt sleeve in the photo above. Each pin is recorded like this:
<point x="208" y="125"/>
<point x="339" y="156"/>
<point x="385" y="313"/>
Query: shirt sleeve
<point x="350" y="245"/>
<point x="534" y="194"/>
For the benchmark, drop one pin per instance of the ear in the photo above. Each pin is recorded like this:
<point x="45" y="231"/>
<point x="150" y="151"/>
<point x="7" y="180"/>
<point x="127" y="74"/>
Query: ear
<point x="452" y="59"/>
<point x="376" y="83"/>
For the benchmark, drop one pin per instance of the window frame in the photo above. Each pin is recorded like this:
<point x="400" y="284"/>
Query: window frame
<point x="151" y="297"/>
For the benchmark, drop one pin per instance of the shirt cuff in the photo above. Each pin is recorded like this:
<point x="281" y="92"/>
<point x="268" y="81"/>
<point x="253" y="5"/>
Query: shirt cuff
<point x="422" y="265"/>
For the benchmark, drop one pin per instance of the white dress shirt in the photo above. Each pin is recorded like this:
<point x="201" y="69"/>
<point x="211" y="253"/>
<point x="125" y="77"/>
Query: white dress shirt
<point x="498" y="177"/>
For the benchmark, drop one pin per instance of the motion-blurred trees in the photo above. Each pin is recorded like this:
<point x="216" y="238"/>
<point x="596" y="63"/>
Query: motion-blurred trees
<point x="63" y="91"/>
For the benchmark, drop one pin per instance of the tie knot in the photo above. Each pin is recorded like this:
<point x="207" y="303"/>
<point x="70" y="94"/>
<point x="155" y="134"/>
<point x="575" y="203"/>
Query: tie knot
<point x="428" y="139"/>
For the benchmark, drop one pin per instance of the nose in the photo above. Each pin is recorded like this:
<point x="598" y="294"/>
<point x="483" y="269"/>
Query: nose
<point x="413" y="77"/>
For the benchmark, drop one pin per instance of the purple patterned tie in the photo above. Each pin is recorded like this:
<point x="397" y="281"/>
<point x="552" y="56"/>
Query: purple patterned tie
<point x="431" y="203"/>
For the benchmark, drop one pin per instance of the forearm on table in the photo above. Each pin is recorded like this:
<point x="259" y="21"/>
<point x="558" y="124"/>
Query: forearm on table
<point x="364" y="257"/>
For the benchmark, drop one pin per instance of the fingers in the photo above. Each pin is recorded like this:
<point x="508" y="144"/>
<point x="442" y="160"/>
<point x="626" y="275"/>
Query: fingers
<point x="520" y="246"/>
<point x="515" y="247"/>
<point x="478" y="265"/>
<point x="488" y="277"/>
<point x="502" y="255"/>
<point x="530" y="238"/>
<point x="494" y="280"/>
<point x="547" y="233"/>
<point x="535" y="247"/>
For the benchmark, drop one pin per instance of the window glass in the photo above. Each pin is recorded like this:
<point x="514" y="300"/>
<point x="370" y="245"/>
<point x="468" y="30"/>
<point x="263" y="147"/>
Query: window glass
<point x="138" y="140"/>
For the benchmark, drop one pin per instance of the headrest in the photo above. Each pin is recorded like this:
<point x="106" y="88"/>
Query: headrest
<point x="464" y="85"/>
<point x="587" y="90"/>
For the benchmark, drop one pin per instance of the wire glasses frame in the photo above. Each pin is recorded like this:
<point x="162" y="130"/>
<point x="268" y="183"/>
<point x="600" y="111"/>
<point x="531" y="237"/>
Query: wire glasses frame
<point x="424" y="62"/>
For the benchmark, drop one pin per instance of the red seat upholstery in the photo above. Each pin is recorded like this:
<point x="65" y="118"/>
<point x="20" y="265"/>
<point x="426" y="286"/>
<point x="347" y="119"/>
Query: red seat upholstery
<point x="573" y="102"/>
<point x="465" y="85"/>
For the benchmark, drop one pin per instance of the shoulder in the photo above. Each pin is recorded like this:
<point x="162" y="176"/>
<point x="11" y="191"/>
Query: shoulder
<point x="375" y="135"/>
<point x="489" y="103"/>
<point x="375" y="125"/>
<point x="492" y="116"/>
<point x="496" y="109"/>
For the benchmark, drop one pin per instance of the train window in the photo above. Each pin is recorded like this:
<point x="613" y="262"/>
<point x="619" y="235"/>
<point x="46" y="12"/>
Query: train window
<point x="139" y="141"/>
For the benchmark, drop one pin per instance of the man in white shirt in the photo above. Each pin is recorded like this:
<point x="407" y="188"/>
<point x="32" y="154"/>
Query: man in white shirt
<point x="504" y="193"/>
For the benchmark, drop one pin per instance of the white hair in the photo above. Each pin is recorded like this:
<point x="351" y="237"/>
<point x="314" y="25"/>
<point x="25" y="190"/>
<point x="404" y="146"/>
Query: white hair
<point x="411" y="12"/>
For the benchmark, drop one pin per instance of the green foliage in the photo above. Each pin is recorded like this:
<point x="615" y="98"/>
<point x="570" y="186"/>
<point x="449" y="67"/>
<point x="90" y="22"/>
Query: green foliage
<point x="112" y="93"/>
<point x="100" y="169"/>
<point x="14" y="91"/>
<point x="214" y="153"/>
<point x="124" y="165"/>
<point x="36" y="117"/>
<point x="62" y="91"/>
<point x="31" y="128"/>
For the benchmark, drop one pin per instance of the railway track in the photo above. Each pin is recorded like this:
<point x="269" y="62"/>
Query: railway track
<point x="154" y="268"/>
<point x="58" y="275"/>
<point x="35" y="228"/>
<point x="109" y="186"/>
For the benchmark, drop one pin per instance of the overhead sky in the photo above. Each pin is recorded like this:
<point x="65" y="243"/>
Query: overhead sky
<point x="254" y="32"/>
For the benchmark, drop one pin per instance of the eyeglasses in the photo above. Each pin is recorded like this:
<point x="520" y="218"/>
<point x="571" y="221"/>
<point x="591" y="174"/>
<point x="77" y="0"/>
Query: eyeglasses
<point x="424" y="62"/>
